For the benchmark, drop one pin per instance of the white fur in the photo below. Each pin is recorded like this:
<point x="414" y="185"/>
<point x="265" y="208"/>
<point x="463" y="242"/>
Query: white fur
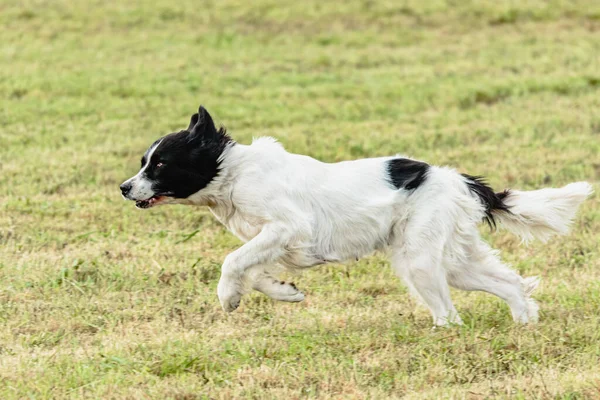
<point x="141" y="186"/>
<point x="297" y="212"/>
<point x="542" y="213"/>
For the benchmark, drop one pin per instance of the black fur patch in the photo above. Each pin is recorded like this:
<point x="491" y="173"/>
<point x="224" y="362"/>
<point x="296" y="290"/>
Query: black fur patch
<point x="491" y="200"/>
<point x="187" y="161"/>
<point x="407" y="174"/>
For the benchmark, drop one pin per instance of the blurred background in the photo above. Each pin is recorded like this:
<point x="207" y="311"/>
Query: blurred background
<point x="98" y="299"/>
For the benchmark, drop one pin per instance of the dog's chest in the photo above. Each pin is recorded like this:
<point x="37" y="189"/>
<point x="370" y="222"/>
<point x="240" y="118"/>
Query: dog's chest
<point x="244" y="226"/>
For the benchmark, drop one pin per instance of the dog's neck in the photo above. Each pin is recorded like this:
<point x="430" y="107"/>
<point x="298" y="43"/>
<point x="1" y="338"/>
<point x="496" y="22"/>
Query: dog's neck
<point x="217" y="194"/>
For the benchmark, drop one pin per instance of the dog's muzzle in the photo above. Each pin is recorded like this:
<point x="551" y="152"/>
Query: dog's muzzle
<point x="125" y="189"/>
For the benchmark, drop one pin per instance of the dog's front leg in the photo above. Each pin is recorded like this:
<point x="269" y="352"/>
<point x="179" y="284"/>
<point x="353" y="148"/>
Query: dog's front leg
<point x="266" y="247"/>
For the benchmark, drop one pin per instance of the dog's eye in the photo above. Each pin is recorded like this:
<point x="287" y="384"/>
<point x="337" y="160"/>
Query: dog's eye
<point x="158" y="165"/>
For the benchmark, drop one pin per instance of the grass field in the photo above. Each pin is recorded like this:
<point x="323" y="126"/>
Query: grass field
<point x="101" y="300"/>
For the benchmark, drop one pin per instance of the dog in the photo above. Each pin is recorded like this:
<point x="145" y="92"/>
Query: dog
<point x="296" y="212"/>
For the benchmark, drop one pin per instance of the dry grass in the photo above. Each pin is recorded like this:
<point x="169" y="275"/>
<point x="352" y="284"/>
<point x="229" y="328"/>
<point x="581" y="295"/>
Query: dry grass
<point x="100" y="300"/>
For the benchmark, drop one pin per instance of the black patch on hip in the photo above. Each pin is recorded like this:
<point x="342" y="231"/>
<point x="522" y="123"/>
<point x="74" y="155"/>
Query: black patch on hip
<point x="407" y="174"/>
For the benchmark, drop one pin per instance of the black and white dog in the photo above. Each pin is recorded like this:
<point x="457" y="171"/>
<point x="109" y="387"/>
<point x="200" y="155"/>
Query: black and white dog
<point x="296" y="212"/>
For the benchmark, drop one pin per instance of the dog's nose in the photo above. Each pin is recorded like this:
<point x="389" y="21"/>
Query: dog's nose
<point x="125" y="188"/>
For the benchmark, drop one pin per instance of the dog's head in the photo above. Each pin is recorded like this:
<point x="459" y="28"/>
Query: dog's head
<point x="179" y="164"/>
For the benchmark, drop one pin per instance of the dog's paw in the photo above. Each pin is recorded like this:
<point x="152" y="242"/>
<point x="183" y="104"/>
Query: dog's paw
<point x="446" y="322"/>
<point x="230" y="304"/>
<point x="298" y="297"/>
<point x="279" y="290"/>
<point x="229" y="295"/>
<point x="290" y="292"/>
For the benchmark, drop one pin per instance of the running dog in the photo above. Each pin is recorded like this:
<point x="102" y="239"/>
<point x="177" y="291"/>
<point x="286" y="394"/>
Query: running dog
<point x="296" y="212"/>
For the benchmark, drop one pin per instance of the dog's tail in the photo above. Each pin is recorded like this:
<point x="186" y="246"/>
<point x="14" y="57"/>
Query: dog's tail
<point x="537" y="214"/>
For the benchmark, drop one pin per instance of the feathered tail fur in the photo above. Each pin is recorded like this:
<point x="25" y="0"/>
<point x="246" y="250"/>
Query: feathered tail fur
<point x="536" y="214"/>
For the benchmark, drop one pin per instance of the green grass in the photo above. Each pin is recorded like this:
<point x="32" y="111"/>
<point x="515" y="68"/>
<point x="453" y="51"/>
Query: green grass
<point x="100" y="300"/>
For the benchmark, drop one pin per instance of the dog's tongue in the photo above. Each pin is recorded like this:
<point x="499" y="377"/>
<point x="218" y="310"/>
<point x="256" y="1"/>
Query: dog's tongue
<point x="142" y="204"/>
<point x="148" y="203"/>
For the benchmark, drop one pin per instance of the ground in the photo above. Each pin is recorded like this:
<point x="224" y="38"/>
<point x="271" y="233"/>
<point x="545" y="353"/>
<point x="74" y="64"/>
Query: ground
<point x="101" y="300"/>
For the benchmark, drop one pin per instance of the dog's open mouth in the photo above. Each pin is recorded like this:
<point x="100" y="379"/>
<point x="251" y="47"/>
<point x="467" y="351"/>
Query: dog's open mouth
<point x="152" y="201"/>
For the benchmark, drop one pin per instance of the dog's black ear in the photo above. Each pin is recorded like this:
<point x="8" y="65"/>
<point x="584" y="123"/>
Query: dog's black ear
<point x="202" y="123"/>
<point x="193" y="122"/>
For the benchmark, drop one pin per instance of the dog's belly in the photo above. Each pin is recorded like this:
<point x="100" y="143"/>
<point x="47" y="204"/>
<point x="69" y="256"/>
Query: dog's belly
<point x="299" y="260"/>
<point x="309" y="255"/>
<point x="326" y="242"/>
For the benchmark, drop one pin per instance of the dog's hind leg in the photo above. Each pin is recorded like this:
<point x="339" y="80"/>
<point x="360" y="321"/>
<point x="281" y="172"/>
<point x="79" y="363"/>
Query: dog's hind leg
<point x="261" y="280"/>
<point x="483" y="271"/>
<point x="422" y="272"/>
